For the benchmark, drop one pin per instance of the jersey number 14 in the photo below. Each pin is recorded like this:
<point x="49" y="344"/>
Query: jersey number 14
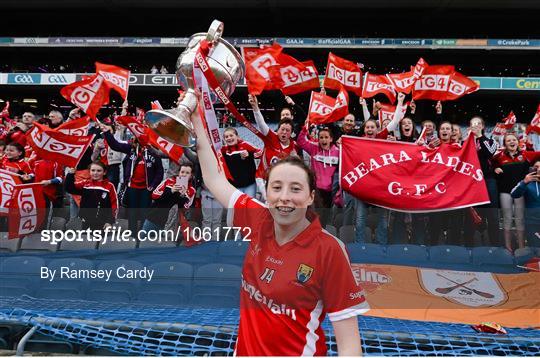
<point x="267" y="275"/>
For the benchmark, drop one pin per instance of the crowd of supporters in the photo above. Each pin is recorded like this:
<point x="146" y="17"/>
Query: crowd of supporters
<point x="122" y="170"/>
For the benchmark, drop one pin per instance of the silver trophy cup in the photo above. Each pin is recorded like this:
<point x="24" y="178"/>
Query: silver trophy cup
<point x="226" y="64"/>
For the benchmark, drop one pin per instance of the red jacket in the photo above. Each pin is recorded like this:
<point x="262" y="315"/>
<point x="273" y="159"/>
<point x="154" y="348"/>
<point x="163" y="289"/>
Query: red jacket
<point x="49" y="170"/>
<point x="20" y="166"/>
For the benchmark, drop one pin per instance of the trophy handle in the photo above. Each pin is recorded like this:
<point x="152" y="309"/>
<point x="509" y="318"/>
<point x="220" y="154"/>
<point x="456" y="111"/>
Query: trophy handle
<point x="215" y="31"/>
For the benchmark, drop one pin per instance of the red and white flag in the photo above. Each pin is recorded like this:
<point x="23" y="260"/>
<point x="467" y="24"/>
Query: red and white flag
<point x="374" y="84"/>
<point x="26" y="210"/>
<point x="133" y="124"/>
<point x="140" y="129"/>
<point x="388" y="111"/>
<point x="499" y="130"/>
<point x="420" y="67"/>
<point x="8" y="180"/>
<point x="325" y="109"/>
<point x="443" y="83"/>
<point x="509" y="120"/>
<point x="534" y="263"/>
<point x="450" y="176"/>
<point x="293" y="76"/>
<point x="154" y="105"/>
<point x="62" y="148"/>
<point x="257" y="63"/>
<point x="423" y="135"/>
<point x="5" y="111"/>
<point x="173" y="151"/>
<point x="89" y="94"/>
<point x="404" y="82"/>
<point x="76" y="127"/>
<point x="535" y="122"/>
<point x="116" y="78"/>
<point x="341" y="72"/>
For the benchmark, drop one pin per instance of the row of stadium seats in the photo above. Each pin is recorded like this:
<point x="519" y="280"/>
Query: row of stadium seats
<point x="197" y="281"/>
<point x="176" y="283"/>
<point x="486" y="258"/>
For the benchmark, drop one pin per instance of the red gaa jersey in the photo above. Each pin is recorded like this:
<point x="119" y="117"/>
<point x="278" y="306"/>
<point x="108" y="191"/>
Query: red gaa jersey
<point x="273" y="151"/>
<point x="287" y="290"/>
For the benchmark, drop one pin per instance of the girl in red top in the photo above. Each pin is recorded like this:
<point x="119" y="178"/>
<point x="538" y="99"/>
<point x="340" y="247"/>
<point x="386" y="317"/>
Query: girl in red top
<point x="14" y="161"/>
<point x="240" y="157"/>
<point x="176" y="190"/>
<point x="452" y="221"/>
<point x="510" y="167"/>
<point x="99" y="203"/>
<point x="294" y="273"/>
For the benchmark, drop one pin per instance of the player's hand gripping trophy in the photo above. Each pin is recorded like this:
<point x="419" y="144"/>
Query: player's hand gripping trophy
<point x="228" y="68"/>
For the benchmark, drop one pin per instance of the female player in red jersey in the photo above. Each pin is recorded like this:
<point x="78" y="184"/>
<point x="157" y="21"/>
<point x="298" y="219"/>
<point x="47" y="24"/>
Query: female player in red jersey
<point x="294" y="273"/>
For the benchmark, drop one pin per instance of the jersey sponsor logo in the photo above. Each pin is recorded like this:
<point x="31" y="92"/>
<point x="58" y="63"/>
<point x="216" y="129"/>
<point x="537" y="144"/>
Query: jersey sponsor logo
<point x="304" y="273"/>
<point x="273" y="260"/>
<point x="275" y="308"/>
<point x="358" y="294"/>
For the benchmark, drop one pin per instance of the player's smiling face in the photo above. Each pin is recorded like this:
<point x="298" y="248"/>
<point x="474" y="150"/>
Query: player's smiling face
<point x="288" y="194"/>
<point x="230" y="138"/>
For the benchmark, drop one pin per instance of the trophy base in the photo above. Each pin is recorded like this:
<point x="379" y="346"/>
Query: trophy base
<point x="172" y="126"/>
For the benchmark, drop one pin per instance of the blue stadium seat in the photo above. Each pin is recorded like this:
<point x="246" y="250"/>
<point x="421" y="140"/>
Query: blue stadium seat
<point x="33" y="243"/>
<point x="171" y="284"/>
<point x="403" y="254"/>
<point x="77" y="245"/>
<point x="57" y="223"/>
<point x="19" y="275"/>
<point x="217" y="286"/>
<point x="118" y="245"/>
<point x="201" y="254"/>
<point x="63" y="287"/>
<point x="367" y="253"/>
<point x="7" y="245"/>
<point x="523" y="255"/>
<point x="116" y="289"/>
<point x="449" y="256"/>
<point x="492" y="259"/>
<point x="232" y="252"/>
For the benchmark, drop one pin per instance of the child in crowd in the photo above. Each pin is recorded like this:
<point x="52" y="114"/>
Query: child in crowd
<point x="176" y="190"/>
<point x="99" y="203"/>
